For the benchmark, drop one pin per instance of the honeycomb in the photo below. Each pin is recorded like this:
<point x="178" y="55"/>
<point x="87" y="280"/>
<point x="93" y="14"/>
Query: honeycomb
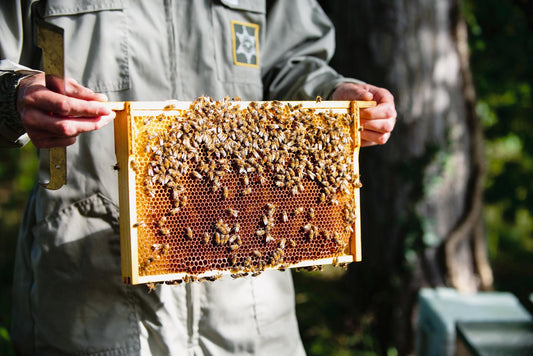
<point x="239" y="187"/>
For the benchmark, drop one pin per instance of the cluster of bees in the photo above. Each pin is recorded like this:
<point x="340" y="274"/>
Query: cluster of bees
<point x="245" y="154"/>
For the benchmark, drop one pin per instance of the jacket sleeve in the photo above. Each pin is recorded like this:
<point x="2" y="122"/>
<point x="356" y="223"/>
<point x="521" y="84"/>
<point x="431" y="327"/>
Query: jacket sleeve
<point x="299" y="42"/>
<point x="17" y="53"/>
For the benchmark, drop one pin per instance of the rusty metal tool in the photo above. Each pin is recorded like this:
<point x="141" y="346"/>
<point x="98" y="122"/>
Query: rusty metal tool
<point x="50" y="38"/>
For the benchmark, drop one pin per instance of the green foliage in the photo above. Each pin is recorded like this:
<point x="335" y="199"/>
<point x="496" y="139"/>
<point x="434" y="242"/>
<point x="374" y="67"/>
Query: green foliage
<point x="501" y="42"/>
<point x="18" y="172"/>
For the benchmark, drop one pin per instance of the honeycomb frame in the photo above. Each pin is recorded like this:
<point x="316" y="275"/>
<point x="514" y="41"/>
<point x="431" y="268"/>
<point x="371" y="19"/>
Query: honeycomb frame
<point x="235" y="223"/>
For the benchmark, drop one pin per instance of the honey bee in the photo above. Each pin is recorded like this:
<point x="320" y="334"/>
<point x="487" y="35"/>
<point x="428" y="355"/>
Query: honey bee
<point x="133" y="165"/>
<point x="294" y="190"/>
<point x="292" y="243"/>
<point x="224" y="239"/>
<point x="211" y="176"/>
<point x="174" y="282"/>
<point x="174" y="211"/>
<point x="269" y="238"/>
<point x="238" y="275"/>
<point x="257" y="253"/>
<point x="225" y="192"/>
<point x="151" y="286"/>
<point x="162" y="221"/>
<point x="189" y="233"/>
<point x="335" y="261"/>
<point x="234" y="247"/>
<point x="146" y="263"/>
<point x="311" y="213"/>
<point x="247" y="191"/>
<point x="197" y="175"/>
<point x="233" y="212"/>
<point x="164" y="231"/>
<point x="260" y="232"/>
<point x="311" y="235"/>
<point x="269" y="225"/>
<point x="282" y="243"/>
<point x="248" y="261"/>
<point x="312" y="268"/>
<point x="285" y="216"/>
<point x="207" y="237"/>
<point x="147" y="120"/>
<point x="156" y="247"/>
<point x="139" y="224"/>
<point x="337" y="238"/>
<point x="237" y="228"/>
<point x="298" y="211"/>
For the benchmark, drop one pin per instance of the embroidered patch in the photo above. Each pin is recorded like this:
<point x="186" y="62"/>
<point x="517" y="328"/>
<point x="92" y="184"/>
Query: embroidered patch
<point x="245" y="43"/>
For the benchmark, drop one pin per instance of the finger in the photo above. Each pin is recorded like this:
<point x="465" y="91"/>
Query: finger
<point x="365" y="143"/>
<point x="378" y="125"/>
<point x="375" y="137"/>
<point x="380" y="111"/>
<point x="70" y="87"/>
<point x="74" y="89"/>
<point x="36" y="120"/>
<point x="47" y="100"/>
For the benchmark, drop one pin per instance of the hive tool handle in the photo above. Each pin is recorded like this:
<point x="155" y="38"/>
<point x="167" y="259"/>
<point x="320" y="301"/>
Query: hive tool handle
<point x="50" y="38"/>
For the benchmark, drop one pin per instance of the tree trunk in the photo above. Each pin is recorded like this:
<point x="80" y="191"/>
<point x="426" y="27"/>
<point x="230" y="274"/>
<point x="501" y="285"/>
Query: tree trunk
<point x="422" y="191"/>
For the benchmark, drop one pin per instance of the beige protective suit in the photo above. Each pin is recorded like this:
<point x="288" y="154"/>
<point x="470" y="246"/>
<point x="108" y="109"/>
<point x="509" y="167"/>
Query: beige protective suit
<point x="68" y="295"/>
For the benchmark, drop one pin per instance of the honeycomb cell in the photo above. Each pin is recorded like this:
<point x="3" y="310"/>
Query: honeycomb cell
<point x="220" y="187"/>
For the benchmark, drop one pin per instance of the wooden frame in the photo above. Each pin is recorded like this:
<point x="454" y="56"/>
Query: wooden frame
<point x="124" y="148"/>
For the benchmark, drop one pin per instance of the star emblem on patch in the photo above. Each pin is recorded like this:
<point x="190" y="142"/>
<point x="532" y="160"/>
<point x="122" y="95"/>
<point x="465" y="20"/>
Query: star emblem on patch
<point x="245" y="43"/>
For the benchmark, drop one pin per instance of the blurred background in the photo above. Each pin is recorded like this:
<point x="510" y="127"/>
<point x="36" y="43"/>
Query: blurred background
<point x="444" y="203"/>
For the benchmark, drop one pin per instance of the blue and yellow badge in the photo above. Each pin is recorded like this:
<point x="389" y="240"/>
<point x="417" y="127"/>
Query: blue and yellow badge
<point x="245" y="43"/>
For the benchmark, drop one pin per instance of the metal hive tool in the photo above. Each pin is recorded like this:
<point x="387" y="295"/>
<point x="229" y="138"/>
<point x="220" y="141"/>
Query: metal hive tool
<point x="228" y="187"/>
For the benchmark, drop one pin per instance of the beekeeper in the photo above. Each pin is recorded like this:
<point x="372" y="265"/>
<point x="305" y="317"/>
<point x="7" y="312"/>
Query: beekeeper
<point x="68" y="295"/>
